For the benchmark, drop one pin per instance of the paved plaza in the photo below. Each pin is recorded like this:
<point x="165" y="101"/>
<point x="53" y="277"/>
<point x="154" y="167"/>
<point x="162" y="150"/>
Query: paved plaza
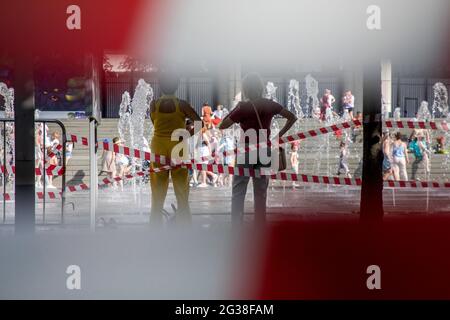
<point x="211" y="206"/>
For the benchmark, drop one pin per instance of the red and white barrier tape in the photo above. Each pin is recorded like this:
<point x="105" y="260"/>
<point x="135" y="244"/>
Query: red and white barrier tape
<point x="316" y="132"/>
<point x="283" y="176"/>
<point x="443" y="125"/>
<point x="417" y="184"/>
<point x="49" y="171"/>
<point x="145" y="155"/>
<point x="76" y="139"/>
<point x="136" y="153"/>
<point x="39" y="195"/>
<point x="52" y="154"/>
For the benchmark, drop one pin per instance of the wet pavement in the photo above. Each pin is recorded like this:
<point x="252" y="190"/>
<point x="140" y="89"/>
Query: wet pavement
<point x="211" y="206"/>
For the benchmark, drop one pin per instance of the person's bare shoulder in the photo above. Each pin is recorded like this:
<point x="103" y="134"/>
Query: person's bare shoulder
<point x="272" y="105"/>
<point x="184" y="105"/>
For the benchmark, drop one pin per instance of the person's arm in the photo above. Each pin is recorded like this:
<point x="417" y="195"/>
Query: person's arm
<point x="290" y="117"/>
<point x="385" y="147"/>
<point x="205" y="138"/>
<point x="226" y="123"/>
<point x="427" y="136"/>
<point x="406" y="153"/>
<point x="228" y="120"/>
<point x="190" y="112"/>
<point x="333" y="99"/>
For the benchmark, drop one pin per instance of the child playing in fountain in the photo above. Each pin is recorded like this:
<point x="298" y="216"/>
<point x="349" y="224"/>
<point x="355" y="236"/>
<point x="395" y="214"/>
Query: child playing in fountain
<point x="426" y="154"/>
<point x="294" y="160"/>
<point x="327" y="103"/>
<point x="109" y="162"/>
<point x="53" y="161"/>
<point x="54" y="145"/>
<point x="343" y="160"/>
<point x="122" y="164"/>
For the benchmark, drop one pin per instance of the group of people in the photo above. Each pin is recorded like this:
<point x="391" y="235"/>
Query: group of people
<point x="169" y="113"/>
<point x="396" y="151"/>
<point x="327" y="101"/>
<point x="115" y="165"/>
<point x="210" y="148"/>
<point x="48" y="153"/>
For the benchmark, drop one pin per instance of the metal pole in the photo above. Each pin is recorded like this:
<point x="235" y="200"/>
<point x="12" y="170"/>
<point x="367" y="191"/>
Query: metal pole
<point x="63" y="178"/>
<point x="4" y="171"/>
<point x="428" y="192"/>
<point x="393" y="196"/>
<point x="44" y="153"/>
<point x="24" y="143"/>
<point x="93" y="170"/>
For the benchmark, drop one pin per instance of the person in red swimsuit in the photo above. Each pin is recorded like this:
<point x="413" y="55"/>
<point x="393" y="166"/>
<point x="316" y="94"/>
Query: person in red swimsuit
<point x="206" y="115"/>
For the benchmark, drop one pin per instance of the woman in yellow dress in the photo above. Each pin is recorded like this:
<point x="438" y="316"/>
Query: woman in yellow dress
<point x="168" y="114"/>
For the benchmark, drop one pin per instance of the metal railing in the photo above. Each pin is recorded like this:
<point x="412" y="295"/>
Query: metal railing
<point x="43" y="171"/>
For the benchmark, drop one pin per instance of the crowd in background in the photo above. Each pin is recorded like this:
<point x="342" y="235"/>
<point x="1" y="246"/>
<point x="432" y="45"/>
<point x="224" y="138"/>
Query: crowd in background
<point x="397" y="149"/>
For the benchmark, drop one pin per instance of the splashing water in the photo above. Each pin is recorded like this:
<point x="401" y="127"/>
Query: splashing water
<point x="225" y="112"/>
<point x="124" y="124"/>
<point x="271" y="91"/>
<point x="423" y="114"/>
<point x="346" y="116"/>
<point x="8" y="134"/>
<point x="294" y="104"/>
<point x="275" y="129"/>
<point x="397" y="114"/>
<point x="140" y="105"/>
<point x="384" y="110"/>
<point x="237" y="98"/>
<point x="8" y="95"/>
<point x="312" y="93"/>
<point x="440" y="103"/>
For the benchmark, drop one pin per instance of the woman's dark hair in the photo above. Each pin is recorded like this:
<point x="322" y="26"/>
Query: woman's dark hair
<point x="398" y="135"/>
<point x="252" y="86"/>
<point x="168" y="82"/>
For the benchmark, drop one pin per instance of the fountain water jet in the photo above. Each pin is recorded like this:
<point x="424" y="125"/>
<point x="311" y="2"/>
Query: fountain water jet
<point x="271" y="91"/>
<point x="440" y="103"/>
<point x="8" y="132"/>
<point x="294" y="104"/>
<point x="312" y="93"/>
<point x="124" y="124"/>
<point x="423" y="114"/>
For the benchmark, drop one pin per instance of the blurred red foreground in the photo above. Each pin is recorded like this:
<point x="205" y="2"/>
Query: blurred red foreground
<point x="328" y="259"/>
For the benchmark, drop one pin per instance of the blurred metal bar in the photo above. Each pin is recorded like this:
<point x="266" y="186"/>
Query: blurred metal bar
<point x="24" y="143"/>
<point x="93" y="170"/>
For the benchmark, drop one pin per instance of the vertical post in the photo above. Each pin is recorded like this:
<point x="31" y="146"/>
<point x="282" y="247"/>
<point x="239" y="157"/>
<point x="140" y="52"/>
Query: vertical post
<point x="386" y="85"/>
<point x="372" y="177"/>
<point x="4" y="171"/>
<point x="93" y="189"/>
<point x="63" y="177"/>
<point x="24" y="143"/>
<point x="44" y="157"/>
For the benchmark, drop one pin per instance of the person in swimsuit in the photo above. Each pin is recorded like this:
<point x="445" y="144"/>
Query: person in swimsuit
<point x="387" y="160"/>
<point x="327" y="103"/>
<point x="343" y="160"/>
<point x="399" y="158"/>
